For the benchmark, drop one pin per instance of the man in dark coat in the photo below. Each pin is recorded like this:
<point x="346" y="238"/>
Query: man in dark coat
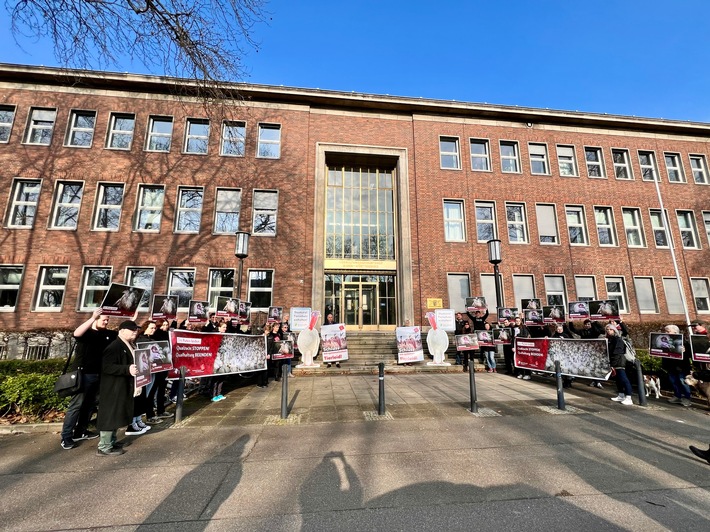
<point x="117" y="388"/>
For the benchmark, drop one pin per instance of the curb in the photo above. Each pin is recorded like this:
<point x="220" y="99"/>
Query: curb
<point x="31" y="428"/>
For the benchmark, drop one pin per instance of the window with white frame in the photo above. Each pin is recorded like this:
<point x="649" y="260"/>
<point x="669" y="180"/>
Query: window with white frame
<point x="94" y="287"/>
<point x="485" y="221"/>
<point x="509" y="157"/>
<point x="674" y="168"/>
<point x="538" y="159"/>
<point x="604" y="218"/>
<point x="227" y="208"/>
<point x="109" y="201"/>
<point x="706" y="222"/>
<point x="51" y="285"/>
<point x="10" y="281"/>
<point x="523" y="288"/>
<point x="449" y="153"/>
<point x="67" y="203"/>
<point x="40" y="126"/>
<point x="149" y="209"/>
<point x="567" y="161"/>
<point x="688" y="229"/>
<point x="233" y="138"/>
<point x="261" y="287"/>
<point x="576" y="225"/>
<point x="81" y="129"/>
<point x="632" y="225"/>
<point x="556" y="290"/>
<point x="269" y="141"/>
<point x="480" y="155"/>
<point x="647" y="162"/>
<point x="220" y="284"/>
<point x="674" y="300"/>
<point x="586" y="287"/>
<point x="181" y="283"/>
<point x="142" y="278"/>
<point x="197" y="135"/>
<point x="595" y="162"/>
<point x="547" y="223"/>
<point x="517" y="223"/>
<point x="266" y="203"/>
<point x="622" y="168"/>
<point x="160" y="133"/>
<point x="616" y="289"/>
<point x="701" y="294"/>
<point x="699" y="167"/>
<point x="658" y="225"/>
<point x="7" y="117"/>
<point x="23" y="203"/>
<point x="454" y="227"/>
<point x="489" y="291"/>
<point x="459" y="288"/>
<point x="120" y="131"/>
<point x="646" y="295"/>
<point x="189" y="210"/>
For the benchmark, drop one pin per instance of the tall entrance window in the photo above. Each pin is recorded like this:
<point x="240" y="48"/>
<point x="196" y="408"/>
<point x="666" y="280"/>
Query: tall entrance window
<point x="363" y="301"/>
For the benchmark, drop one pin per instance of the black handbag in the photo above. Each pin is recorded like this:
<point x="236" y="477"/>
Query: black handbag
<point x="68" y="384"/>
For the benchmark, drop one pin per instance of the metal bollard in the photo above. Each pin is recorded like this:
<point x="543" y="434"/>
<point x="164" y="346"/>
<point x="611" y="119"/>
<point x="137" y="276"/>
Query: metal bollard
<point x="560" y="388"/>
<point x="472" y="383"/>
<point x="641" y="386"/>
<point x="381" y="405"/>
<point x="180" y="393"/>
<point x="284" y="390"/>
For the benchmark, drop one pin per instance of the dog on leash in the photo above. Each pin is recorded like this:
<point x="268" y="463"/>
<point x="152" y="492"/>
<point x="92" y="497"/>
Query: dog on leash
<point x="702" y="387"/>
<point x="652" y="384"/>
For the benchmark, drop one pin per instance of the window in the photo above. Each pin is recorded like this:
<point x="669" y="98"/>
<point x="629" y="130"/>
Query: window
<point x="81" y="129"/>
<point x="647" y="162"/>
<point x="547" y="224"/>
<point x="604" y="218"/>
<point x="7" y="117"/>
<point x="699" y="167"/>
<point x="688" y="229"/>
<point x="261" y="286"/>
<point x="233" y="139"/>
<point x="586" y="287"/>
<point x="646" y="295"/>
<point x="701" y="294"/>
<point x="459" y="288"/>
<point x="480" y="158"/>
<point x="576" y="225"/>
<point x="120" y="131"/>
<point x="616" y="289"/>
<point x="150" y="207"/>
<point x="109" y="201"/>
<point x="449" y="153"/>
<point x="197" y="135"/>
<point x="52" y="282"/>
<point x="595" y="162"/>
<point x="660" y="231"/>
<point x="538" y="159"/>
<point x="189" y="210"/>
<point x="269" y="141"/>
<point x="523" y="288"/>
<point x="160" y="133"/>
<point x="142" y="278"/>
<point x="622" y="168"/>
<point x="485" y="221"/>
<point x="266" y="203"/>
<point x="67" y="202"/>
<point x="221" y="284"/>
<point x="10" y="280"/>
<point x="674" y="300"/>
<point x="227" y="208"/>
<point x="23" y="207"/>
<point x="489" y="291"/>
<point x="40" y="126"/>
<point x="567" y="161"/>
<point x="634" y="230"/>
<point x="454" y="228"/>
<point x="181" y="283"/>
<point x="94" y="287"/>
<point x="509" y="161"/>
<point x="706" y="222"/>
<point x="555" y="290"/>
<point x="674" y="168"/>
<point x="517" y="224"/>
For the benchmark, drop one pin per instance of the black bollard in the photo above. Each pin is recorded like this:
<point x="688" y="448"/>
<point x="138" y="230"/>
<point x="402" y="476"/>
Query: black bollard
<point x="381" y="405"/>
<point x="180" y="393"/>
<point x="472" y="383"/>
<point x="641" y="386"/>
<point x="284" y="390"/>
<point x="560" y="388"/>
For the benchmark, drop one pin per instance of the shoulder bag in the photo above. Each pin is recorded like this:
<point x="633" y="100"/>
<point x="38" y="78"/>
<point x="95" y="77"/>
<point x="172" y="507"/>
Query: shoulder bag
<point x="68" y="384"/>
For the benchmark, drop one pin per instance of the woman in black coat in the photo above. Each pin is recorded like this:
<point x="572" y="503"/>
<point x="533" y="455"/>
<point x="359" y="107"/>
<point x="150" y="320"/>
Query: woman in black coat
<point x="616" y="348"/>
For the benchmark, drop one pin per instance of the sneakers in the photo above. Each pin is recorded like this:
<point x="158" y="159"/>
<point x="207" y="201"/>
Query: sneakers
<point x="113" y="451"/>
<point x="619" y="397"/>
<point x="526" y="377"/>
<point x="165" y="415"/>
<point x="134" y="430"/>
<point x="329" y="364"/>
<point x="675" y="400"/>
<point x="598" y="384"/>
<point x="68" y="444"/>
<point x="520" y="376"/>
<point x="142" y="426"/>
<point x="627" y="400"/>
<point x="155" y="420"/>
<point x="86" y="436"/>
<point x="337" y="364"/>
<point x="685" y="402"/>
<point x="218" y="398"/>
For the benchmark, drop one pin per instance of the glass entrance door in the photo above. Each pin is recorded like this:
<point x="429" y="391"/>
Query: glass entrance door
<point x="360" y="305"/>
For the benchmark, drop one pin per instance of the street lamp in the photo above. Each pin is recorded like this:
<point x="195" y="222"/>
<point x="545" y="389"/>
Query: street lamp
<point x="494" y="257"/>
<point x="241" y="251"/>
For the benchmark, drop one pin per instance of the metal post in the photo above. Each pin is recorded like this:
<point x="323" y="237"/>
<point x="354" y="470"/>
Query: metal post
<point x="239" y="279"/>
<point x="639" y="380"/>
<point x="381" y="406"/>
<point x="284" y="390"/>
<point x="472" y="383"/>
<point x="560" y="388"/>
<point x="499" y="286"/>
<point x="180" y="393"/>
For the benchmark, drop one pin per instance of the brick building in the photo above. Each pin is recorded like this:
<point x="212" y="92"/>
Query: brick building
<point x="364" y="205"/>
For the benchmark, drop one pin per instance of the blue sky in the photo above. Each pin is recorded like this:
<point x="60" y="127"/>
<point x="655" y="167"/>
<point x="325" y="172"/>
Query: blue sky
<point x="630" y="57"/>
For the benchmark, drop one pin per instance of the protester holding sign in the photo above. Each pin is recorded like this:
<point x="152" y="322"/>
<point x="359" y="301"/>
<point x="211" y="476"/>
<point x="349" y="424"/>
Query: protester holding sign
<point x="521" y="331"/>
<point x="617" y="360"/>
<point x="677" y="369"/>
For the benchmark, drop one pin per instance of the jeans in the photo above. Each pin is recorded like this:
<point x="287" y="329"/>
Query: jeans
<point x="106" y="440"/>
<point x="80" y="407"/>
<point x="680" y="388"/>
<point x="491" y="359"/>
<point x="622" y="382"/>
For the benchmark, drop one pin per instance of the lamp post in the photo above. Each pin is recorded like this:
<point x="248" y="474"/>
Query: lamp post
<point x="494" y="257"/>
<point x="241" y="251"/>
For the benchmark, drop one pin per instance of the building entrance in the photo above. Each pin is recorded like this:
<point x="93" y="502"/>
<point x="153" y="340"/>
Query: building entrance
<point x="361" y="302"/>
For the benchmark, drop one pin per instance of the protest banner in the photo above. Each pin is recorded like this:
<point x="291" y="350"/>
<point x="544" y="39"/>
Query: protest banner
<point x="503" y="336"/>
<point x="121" y="300"/>
<point x="300" y="318"/>
<point x="164" y="307"/>
<point x="533" y="317"/>
<point x="666" y="345"/>
<point x="142" y="358"/>
<point x="275" y="315"/>
<point x="578" y="310"/>
<point x="578" y="358"/>
<point x="160" y="356"/>
<point x="466" y="342"/>
<point x="530" y="304"/>
<point x="476" y="303"/>
<point x="198" y="311"/>
<point x="446" y="318"/>
<point x="409" y="345"/>
<point x="553" y="314"/>
<point x="227" y="307"/>
<point x="485" y="337"/>
<point x="283" y="349"/>
<point x="700" y="344"/>
<point x="335" y="343"/>
<point x="607" y="309"/>
<point x="507" y="313"/>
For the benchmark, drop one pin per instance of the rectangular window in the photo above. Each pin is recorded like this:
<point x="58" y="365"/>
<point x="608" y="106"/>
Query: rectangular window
<point x="67" y="203"/>
<point x="24" y="200"/>
<point x="674" y="168"/>
<point x="517" y="223"/>
<point x="160" y="133"/>
<point x="261" y="287"/>
<point x="547" y="224"/>
<point x="567" y="161"/>
<point x="480" y="156"/>
<point x="109" y="200"/>
<point x="699" y="167"/>
<point x="181" y="283"/>
<point x="449" y="153"/>
<point x="81" y="129"/>
<point x="486" y="228"/>
<point x="706" y="222"/>
<point x="509" y="158"/>
<point x="94" y="286"/>
<point x="10" y="280"/>
<point x="646" y="295"/>
<point x="189" y="210"/>
<point x="616" y="289"/>
<point x="227" y="208"/>
<point x="454" y="227"/>
<point x="701" y="294"/>
<point x="233" y="139"/>
<point x="7" y="117"/>
<point x="658" y="225"/>
<point x="266" y="204"/>
<point x="120" y="131"/>
<point x="149" y="209"/>
<point x="604" y="218"/>
<point x="40" y="126"/>
<point x="142" y="278"/>
<point x="622" y="168"/>
<point x="221" y="284"/>
<point x="489" y="291"/>
<point x="576" y="225"/>
<point x="538" y="159"/>
<point x="688" y="229"/>
<point x="595" y="162"/>
<point x="269" y="141"/>
<point x="674" y="301"/>
<point x="634" y="230"/>
<point x="523" y="288"/>
<point x="51" y="284"/>
<point x="647" y="162"/>
<point x="197" y="135"/>
<point x="586" y="287"/>
<point x="556" y="290"/>
<point x="459" y="288"/>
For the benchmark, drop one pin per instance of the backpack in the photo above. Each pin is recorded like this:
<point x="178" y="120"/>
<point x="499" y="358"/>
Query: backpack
<point x="630" y="352"/>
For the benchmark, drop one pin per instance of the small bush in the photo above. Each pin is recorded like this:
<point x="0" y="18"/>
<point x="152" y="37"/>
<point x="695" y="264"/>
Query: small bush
<point x="648" y="363"/>
<point x="51" y="366"/>
<point x="30" y="395"/>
